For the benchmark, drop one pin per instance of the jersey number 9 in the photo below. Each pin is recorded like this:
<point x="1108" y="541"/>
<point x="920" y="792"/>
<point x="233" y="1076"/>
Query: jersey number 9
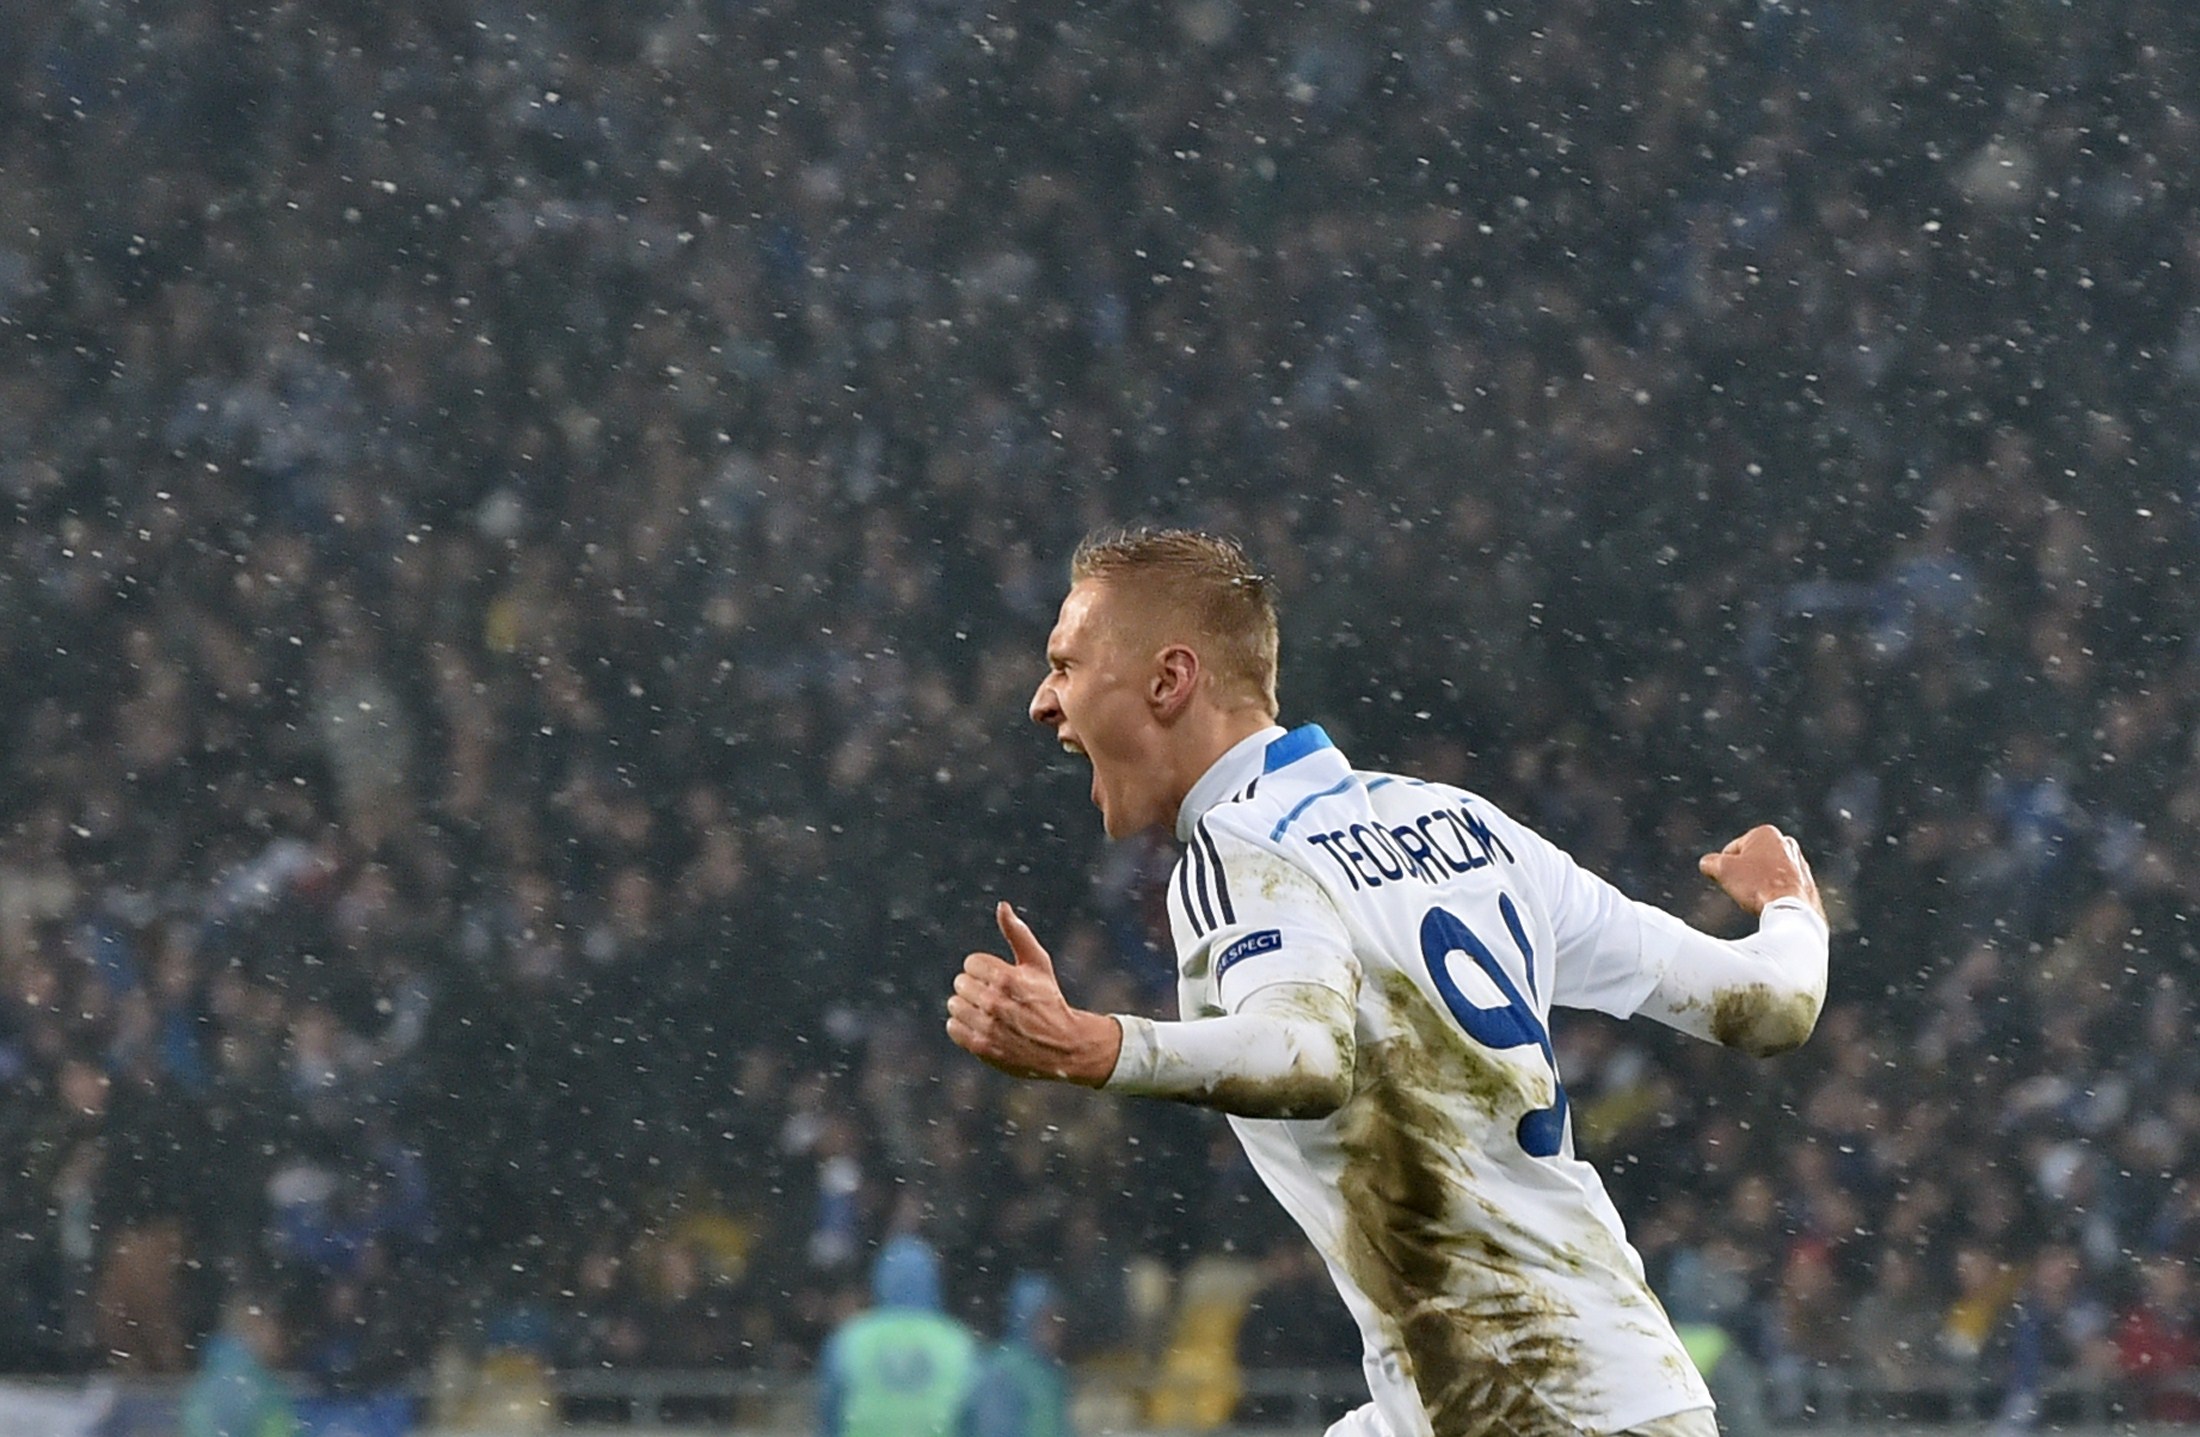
<point x="1442" y="934"/>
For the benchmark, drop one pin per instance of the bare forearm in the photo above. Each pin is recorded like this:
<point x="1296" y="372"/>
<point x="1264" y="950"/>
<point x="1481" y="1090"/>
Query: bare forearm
<point x="1286" y="1054"/>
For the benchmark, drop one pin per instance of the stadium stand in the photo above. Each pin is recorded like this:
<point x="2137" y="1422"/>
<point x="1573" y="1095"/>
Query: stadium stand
<point x="528" y="531"/>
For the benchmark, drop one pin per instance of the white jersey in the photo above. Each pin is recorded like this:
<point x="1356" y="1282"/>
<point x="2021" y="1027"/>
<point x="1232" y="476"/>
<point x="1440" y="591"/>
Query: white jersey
<point x="1486" y="1266"/>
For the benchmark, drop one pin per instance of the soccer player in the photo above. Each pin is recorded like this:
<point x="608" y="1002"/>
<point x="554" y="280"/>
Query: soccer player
<point x="1367" y="965"/>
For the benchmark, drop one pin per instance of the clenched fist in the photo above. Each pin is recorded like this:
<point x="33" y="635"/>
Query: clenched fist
<point x="1761" y="865"/>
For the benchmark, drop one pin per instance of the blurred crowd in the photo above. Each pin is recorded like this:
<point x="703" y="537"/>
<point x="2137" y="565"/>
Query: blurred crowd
<point x="528" y="532"/>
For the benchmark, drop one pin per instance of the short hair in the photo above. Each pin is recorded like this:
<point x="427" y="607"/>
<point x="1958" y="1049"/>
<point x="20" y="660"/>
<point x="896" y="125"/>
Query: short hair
<point x="1206" y="578"/>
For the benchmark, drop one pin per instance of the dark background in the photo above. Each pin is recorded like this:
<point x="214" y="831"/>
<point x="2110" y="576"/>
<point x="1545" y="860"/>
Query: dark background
<point x="528" y="533"/>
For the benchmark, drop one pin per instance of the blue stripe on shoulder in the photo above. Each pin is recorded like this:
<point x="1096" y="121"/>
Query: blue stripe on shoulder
<point x="1292" y="817"/>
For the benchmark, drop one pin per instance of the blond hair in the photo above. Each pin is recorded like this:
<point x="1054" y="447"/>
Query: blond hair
<point x="1181" y="574"/>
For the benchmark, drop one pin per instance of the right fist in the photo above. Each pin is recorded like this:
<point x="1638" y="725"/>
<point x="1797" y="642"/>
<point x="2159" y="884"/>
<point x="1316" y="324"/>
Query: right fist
<point x="1761" y="865"/>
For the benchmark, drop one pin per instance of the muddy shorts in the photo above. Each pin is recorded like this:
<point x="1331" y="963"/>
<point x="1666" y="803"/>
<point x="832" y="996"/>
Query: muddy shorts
<point x="1697" y="1422"/>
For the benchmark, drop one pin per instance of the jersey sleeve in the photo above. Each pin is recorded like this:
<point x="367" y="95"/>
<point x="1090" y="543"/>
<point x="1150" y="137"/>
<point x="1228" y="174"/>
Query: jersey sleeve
<point x="1250" y="916"/>
<point x="1761" y="994"/>
<point x="1617" y="955"/>
<point x="1610" y="950"/>
<point x="1285" y="1053"/>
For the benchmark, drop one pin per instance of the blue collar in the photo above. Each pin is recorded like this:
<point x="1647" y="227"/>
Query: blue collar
<point x="1295" y="745"/>
<point x="1251" y="757"/>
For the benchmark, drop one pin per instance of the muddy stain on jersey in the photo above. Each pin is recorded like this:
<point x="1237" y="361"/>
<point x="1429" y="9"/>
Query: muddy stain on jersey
<point x="1274" y="877"/>
<point x="1761" y="1021"/>
<point x="1307" y="1091"/>
<point x="1488" y="1344"/>
<point x="1311" y="1089"/>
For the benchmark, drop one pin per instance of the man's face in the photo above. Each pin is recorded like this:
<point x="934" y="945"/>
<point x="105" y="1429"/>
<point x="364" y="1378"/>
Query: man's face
<point x="1096" y="697"/>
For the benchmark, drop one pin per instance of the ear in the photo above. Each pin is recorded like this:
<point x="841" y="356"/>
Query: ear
<point x="1176" y="672"/>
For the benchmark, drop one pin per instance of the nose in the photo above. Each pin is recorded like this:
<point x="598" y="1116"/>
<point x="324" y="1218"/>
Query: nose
<point x="1045" y="708"/>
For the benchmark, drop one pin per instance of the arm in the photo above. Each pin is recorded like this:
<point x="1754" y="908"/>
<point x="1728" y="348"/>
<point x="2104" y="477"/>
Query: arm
<point x="1286" y="1052"/>
<point x="1762" y="993"/>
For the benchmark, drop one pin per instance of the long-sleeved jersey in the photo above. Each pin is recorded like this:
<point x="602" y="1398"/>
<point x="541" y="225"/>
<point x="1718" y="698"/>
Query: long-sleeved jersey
<point x="1399" y="945"/>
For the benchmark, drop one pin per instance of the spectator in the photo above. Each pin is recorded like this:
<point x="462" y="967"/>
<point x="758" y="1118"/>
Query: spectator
<point x="148" y="1203"/>
<point x="236" y="1392"/>
<point x="1021" y="1388"/>
<point x="1811" y="1324"/>
<point x="2058" y="1326"/>
<point x="2157" y="1338"/>
<point x="1984" y="1288"/>
<point x="1293" y="1322"/>
<point x="903" y="1368"/>
<point x="1896" y="1331"/>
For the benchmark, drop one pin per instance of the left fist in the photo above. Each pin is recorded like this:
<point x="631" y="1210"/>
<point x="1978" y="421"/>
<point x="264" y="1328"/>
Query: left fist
<point x="1013" y="1015"/>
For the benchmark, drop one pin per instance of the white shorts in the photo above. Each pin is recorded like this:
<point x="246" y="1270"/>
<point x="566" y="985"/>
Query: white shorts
<point x="1360" y="1422"/>
<point x="1696" y="1422"/>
